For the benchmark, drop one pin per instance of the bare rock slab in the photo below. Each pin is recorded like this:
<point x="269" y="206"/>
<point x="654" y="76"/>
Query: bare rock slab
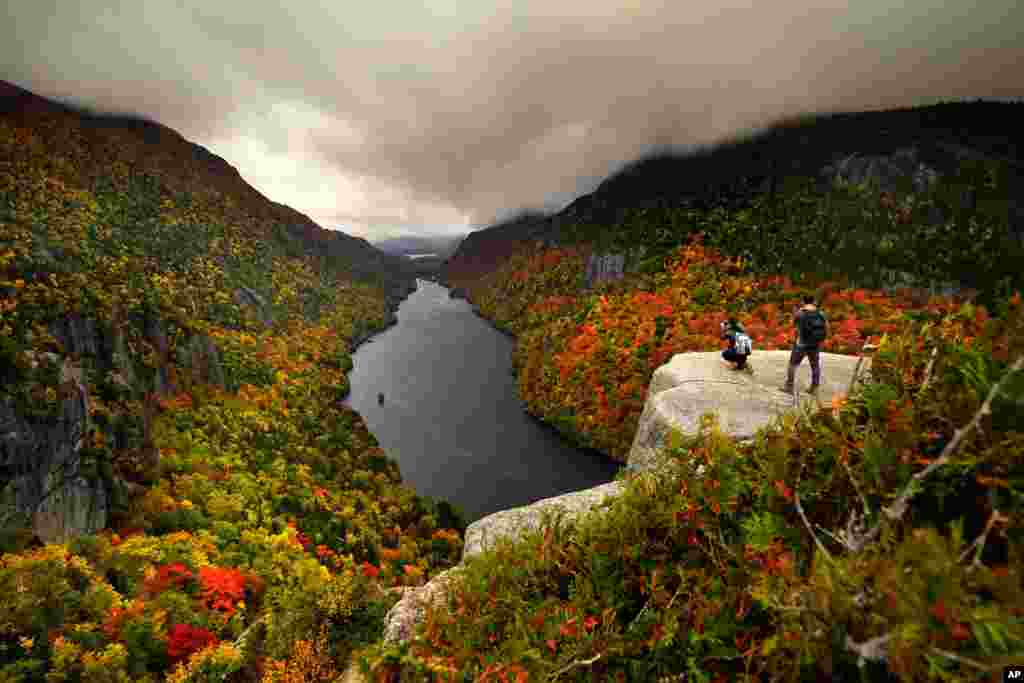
<point x="692" y="384"/>
<point x="485" y="533"/>
<point x="402" y="619"/>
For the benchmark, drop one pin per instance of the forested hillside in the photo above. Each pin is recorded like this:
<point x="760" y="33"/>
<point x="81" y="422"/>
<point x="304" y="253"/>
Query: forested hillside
<point x="777" y="184"/>
<point x="184" y="496"/>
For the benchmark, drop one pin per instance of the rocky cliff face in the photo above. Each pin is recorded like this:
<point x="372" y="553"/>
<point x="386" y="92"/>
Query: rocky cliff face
<point x="608" y="267"/>
<point x="46" y="488"/>
<point x="48" y="484"/>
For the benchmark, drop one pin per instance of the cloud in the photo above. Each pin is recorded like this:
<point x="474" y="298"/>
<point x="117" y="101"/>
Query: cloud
<point x="402" y="116"/>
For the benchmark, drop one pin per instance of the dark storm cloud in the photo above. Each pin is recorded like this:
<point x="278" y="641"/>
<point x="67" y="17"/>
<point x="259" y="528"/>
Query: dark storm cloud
<point x="382" y="115"/>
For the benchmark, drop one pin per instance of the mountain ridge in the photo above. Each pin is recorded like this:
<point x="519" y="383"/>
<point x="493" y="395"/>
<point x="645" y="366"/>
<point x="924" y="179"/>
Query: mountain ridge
<point x="758" y="162"/>
<point x="147" y="146"/>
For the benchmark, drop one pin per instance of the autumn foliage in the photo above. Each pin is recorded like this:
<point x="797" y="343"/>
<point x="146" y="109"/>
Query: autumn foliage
<point x="212" y="331"/>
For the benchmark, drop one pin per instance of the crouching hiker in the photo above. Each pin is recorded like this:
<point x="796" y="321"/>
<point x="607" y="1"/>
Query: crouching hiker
<point x="740" y="344"/>
<point x="812" y="328"/>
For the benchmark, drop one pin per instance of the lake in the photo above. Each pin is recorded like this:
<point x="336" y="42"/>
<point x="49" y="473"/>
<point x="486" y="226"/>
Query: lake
<point x="451" y="416"/>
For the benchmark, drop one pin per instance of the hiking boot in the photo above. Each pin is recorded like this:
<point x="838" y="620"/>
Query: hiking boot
<point x="748" y="368"/>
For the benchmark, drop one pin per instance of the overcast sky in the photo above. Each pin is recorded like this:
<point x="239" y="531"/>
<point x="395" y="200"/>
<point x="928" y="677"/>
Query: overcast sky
<point x="380" y="117"/>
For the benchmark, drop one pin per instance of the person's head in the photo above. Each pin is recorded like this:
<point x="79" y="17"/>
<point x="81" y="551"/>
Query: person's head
<point x="734" y="324"/>
<point x="808" y="299"/>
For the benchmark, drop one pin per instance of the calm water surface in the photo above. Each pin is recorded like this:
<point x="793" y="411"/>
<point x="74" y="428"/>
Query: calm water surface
<point x="451" y="417"/>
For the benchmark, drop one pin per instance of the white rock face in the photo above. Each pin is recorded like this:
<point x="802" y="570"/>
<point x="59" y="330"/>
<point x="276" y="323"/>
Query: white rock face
<point x="692" y="384"/>
<point x="680" y="392"/>
<point x="484" y="533"/>
<point x="402" y="619"/>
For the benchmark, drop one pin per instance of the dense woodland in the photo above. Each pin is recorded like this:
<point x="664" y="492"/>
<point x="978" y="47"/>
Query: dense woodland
<point x="250" y="514"/>
<point x="256" y="532"/>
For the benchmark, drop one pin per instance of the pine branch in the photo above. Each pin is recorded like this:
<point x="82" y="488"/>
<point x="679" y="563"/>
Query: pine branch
<point x="979" y="543"/>
<point x="573" y="665"/>
<point x="853" y="480"/>
<point x="962" y="660"/>
<point x="873" y="649"/>
<point x="928" y="371"/>
<point x="817" y="541"/>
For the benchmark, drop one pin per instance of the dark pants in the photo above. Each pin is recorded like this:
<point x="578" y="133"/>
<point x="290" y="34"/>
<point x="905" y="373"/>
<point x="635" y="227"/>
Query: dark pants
<point x="740" y="359"/>
<point x="797" y="357"/>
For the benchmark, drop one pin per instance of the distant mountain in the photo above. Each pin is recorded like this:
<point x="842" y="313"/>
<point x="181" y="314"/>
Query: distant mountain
<point x="484" y="250"/>
<point x="441" y="245"/>
<point x="943" y="136"/>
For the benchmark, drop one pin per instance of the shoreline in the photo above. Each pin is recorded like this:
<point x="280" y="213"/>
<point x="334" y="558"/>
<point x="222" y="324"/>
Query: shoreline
<point x="392" y="304"/>
<point x="566" y="437"/>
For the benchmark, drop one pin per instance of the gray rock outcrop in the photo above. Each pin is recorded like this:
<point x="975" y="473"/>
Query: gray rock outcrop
<point x="885" y="172"/>
<point x="403" y="618"/>
<point x="45" y="486"/>
<point x="603" y="268"/>
<point x="250" y="299"/>
<point x="486" y="532"/>
<point x="692" y="384"/>
<point x="609" y="267"/>
<point x="42" y="479"/>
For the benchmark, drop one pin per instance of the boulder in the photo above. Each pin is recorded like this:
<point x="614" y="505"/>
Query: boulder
<point x="484" y="533"/>
<point x="77" y="335"/>
<point x="609" y="267"/>
<point x="249" y="298"/>
<point x="402" y="619"/>
<point x="603" y="268"/>
<point x="884" y="172"/>
<point x="692" y="384"/>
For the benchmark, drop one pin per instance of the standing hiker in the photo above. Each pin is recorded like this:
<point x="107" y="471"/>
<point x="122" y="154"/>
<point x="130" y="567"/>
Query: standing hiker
<point x="740" y="345"/>
<point x="812" y="328"/>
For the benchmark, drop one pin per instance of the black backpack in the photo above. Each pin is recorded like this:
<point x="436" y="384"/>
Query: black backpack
<point x="812" y="328"/>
